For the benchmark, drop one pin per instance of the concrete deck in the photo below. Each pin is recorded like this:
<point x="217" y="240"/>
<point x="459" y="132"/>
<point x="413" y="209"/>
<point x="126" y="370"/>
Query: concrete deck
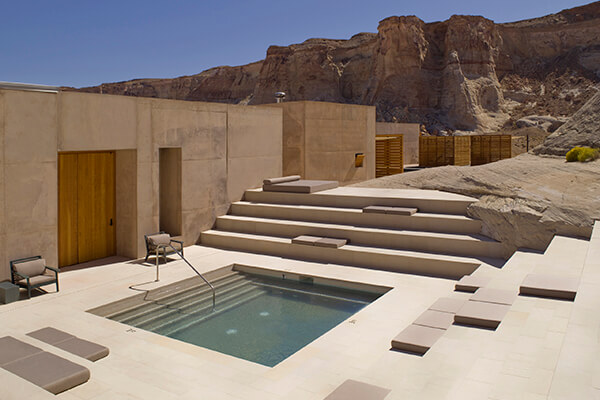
<point x="543" y="348"/>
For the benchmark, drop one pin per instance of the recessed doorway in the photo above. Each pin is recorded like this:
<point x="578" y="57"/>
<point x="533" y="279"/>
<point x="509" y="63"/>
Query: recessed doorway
<point x="86" y="206"/>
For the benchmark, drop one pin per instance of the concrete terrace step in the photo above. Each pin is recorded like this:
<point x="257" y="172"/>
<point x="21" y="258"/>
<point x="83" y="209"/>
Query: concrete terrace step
<point x="412" y="262"/>
<point x="428" y="222"/>
<point x="459" y="244"/>
<point x="427" y="201"/>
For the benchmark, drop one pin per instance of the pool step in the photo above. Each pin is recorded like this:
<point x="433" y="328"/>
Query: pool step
<point x="185" y="292"/>
<point x="432" y="242"/>
<point x="427" y="201"/>
<point x="174" y="321"/>
<point x="414" y="262"/>
<point x="193" y="300"/>
<point x="427" y="222"/>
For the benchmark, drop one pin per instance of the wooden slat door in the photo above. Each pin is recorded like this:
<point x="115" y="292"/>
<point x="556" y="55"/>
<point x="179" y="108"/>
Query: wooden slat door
<point x="86" y="207"/>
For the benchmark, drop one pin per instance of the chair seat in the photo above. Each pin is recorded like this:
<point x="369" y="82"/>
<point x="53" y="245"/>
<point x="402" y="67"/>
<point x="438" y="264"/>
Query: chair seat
<point x="37" y="280"/>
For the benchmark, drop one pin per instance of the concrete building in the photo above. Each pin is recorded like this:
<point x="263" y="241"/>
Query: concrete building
<point x="85" y="176"/>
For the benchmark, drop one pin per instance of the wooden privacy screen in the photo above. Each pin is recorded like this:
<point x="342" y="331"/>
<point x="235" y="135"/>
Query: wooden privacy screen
<point x="86" y="207"/>
<point x="489" y="148"/>
<point x="389" y="158"/>
<point x="436" y="151"/>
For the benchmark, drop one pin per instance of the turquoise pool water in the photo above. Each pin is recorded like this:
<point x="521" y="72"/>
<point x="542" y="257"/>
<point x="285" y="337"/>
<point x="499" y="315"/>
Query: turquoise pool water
<point x="279" y="321"/>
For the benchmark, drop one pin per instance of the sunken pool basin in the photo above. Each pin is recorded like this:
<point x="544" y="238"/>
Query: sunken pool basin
<point x="259" y="318"/>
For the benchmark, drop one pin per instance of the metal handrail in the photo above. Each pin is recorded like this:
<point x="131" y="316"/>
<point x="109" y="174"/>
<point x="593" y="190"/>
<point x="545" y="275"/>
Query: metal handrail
<point x="212" y="288"/>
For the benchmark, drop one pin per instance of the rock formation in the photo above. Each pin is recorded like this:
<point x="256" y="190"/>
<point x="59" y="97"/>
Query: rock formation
<point x="466" y="73"/>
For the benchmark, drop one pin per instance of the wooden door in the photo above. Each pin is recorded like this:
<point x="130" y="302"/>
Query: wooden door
<point x="86" y="207"/>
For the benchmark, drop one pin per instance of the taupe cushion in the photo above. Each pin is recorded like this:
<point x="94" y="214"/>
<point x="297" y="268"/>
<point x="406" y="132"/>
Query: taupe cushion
<point x="301" y="186"/>
<point x="552" y="286"/>
<point x="306" y="239"/>
<point x="12" y="349"/>
<point x="354" y="390"/>
<point x="478" y="313"/>
<point x="447" y="305"/>
<point x="31" y="268"/>
<point x="470" y="283"/>
<point x="162" y="239"/>
<point x="331" y="242"/>
<point x="417" y="339"/>
<point x="273" y="181"/>
<point x="498" y="296"/>
<point x="51" y="372"/>
<point x="38" y="280"/>
<point x="435" y="319"/>
<point x="72" y="344"/>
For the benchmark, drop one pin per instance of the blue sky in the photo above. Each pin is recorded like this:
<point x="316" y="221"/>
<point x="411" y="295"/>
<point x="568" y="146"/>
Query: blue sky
<point x="88" y="42"/>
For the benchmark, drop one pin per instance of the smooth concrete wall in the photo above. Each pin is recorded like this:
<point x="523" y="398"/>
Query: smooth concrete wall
<point x="320" y="140"/>
<point x="411" y="134"/>
<point x="225" y="149"/>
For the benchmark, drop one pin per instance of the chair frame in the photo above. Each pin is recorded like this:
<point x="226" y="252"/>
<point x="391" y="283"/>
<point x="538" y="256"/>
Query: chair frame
<point x="14" y="274"/>
<point x="163" y="250"/>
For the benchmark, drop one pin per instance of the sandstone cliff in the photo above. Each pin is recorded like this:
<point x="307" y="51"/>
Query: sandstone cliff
<point x="466" y="73"/>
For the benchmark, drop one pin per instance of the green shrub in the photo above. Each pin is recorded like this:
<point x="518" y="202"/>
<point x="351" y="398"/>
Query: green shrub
<point x="582" y="154"/>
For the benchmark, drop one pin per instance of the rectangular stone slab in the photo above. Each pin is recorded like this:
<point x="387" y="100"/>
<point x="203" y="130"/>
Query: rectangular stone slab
<point x="306" y="239"/>
<point x="401" y="211"/>
<point x="552" y="286"/>
<point x="435" y="319"/>
<point x="481" y="314"/>
<point x="417" y="339"/>
<point x="69" y="343"/>
<point x="355" y="390"/>
<point x="301" y="186"/>
<point x="498" y="296"/>
<point x="447" y="305"/>
<point x="50" y="372"/>
<point x="331" y="242"/>
<point x="470" y="283"/>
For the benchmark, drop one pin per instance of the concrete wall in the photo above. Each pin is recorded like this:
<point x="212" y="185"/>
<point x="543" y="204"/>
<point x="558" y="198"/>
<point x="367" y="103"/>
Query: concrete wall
<point x="411" y="138"/>
<point x="320" y="140"/>
<point x="225" y="149"/>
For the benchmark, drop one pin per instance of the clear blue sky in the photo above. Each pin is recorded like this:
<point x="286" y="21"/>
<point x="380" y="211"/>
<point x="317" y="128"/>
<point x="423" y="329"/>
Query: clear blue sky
<point x="88" y="42"/>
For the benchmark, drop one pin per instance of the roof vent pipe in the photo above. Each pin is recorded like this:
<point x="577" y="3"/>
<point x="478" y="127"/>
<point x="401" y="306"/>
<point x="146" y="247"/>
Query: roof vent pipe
<point x="279" y="96"/>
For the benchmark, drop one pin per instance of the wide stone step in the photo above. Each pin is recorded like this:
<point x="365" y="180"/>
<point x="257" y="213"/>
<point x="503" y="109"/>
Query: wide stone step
<point x="413" y="262"/>
<point x="445" y="243"/>
<point x="428" y="222"/>
<point x="427" y="201"/>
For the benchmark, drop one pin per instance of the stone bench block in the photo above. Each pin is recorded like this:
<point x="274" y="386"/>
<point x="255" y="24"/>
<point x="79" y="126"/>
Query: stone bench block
<point x="408" y="211"/>
<point x="355" y="390"/>
<point x="481" y="314"/>
<point x="435" y="319"/>
<point x="498" y="296"/>
<point x="306" y="239"/>
<point x="551" y="286"/>
<point x="331" y="242"/>
<point x="470" y="283"/>
<point x="447" y="305"/>
<point x="417" y="339"/>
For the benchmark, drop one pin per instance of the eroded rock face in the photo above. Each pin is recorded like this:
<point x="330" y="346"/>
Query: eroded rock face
<point x="582" y="129"/>
<point x="466" y="73"/>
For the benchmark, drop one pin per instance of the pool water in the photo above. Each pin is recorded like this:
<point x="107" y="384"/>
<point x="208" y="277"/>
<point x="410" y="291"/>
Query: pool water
<point x="277" y="323"/>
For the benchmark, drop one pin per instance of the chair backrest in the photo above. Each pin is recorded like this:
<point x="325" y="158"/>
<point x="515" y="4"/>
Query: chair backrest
<point x="31" y="267"/>
<point x="157" y="239"/>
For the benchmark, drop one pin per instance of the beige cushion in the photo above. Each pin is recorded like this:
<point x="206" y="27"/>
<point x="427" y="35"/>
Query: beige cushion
<point x="470" y="283"/>
<point x="354" y="390"/>
<point x="481" y="314"/>
<point x="51" y="372"/>
<point x="273" y="181"/>
<point x="447" y="305"/>
<point x="38" y="280"/>
<point x="417" y="339"/>
<point x="374" y="209"/>
<point x="552" y="286"/>
<point x="401" y="211"/>
<point x="498" y="296"/>
<point x="306" y="239"/>
<point x="72" y="344"/>
<point x="162" y="239"/>
<point x="435" y="319"/>
<point x="301" y="186"/>
<point x="331" y="242"/>
<point x="50" y="335"/>
<point x="31" y="268"/>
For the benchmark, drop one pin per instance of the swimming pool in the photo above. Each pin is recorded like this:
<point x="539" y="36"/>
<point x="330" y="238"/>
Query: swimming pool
<point x="257" y="318"/>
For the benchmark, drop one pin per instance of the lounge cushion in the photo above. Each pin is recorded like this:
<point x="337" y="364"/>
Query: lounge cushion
<point x="551" y="286"/>
<point x="331" y="242"/>
<point x="417" y="339"/>
<point x="355" y="390"/>
<point x="481" y="314"/>
<point x="31" y="268"/>
<point x="470" y="283"/>
<point x="37" y="280"/>
<point x="72" y="344"/>
<point x="408" y="211"/>
<point x="374" y="209"/>
<point x="301" y="186"/>
<point x="306" y="239"/>
<point x="447" y="305"/>
<point x="12" y="349"/>
<point x="162" y="239"/>
<point x="51" y="372"/>
<point x="497" y="296"/>
<point x="273" y="181"/>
